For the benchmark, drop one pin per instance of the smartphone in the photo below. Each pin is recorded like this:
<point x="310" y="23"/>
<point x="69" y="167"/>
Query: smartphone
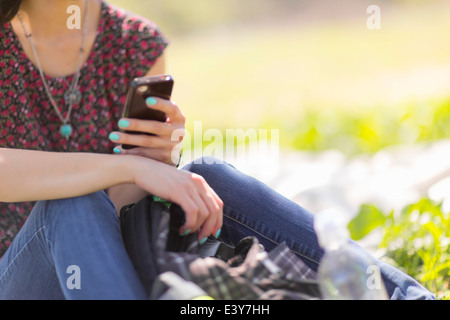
<point x="140" y="89"/>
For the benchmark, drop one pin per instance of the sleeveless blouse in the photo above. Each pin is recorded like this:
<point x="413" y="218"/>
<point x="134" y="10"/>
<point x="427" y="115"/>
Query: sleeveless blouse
<point x="126" y="46"/>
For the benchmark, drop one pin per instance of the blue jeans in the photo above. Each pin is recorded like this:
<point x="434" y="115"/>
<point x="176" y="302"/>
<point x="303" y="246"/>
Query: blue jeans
<point x="72" y="248"/>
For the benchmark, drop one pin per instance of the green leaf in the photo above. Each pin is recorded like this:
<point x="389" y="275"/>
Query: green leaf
<point x="368" y="218"/>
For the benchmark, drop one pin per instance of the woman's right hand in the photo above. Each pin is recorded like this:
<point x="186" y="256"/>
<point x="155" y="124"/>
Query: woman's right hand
<point x="202" y="206"/>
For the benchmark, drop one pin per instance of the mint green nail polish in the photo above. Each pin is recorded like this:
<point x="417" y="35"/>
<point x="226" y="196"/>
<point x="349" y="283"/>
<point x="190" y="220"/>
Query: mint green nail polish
<point x="164" y="202"/>
<point x="117" y="150"/>
<point x="151" y="101"/>
<point x="217" y="235"/>
<point x="186" y="233"/>
<point x="124" y="123"/>
<point x="203" y="240"/>
<point x="114" y="137"/>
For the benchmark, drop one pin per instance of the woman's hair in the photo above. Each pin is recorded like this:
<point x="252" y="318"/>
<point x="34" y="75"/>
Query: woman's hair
<point x="8" y="9"/>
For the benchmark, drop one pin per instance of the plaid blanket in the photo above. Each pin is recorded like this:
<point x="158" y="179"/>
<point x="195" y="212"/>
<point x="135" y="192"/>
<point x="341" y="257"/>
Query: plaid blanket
<point x="180" y="273"/>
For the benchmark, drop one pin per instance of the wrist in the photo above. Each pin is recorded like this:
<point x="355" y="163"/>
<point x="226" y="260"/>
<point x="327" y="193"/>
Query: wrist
<point x="125" y="169"/>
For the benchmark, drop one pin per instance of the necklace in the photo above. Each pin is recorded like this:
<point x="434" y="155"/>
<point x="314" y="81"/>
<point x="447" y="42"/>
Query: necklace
<point x="73" y="94"/>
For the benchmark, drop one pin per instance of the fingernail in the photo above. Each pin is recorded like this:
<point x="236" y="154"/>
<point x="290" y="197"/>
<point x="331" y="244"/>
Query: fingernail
<point x="151" y="101"/>
<point x="203" y="240"/>
<point x="186" y="233"/>
<point x="217" y="235"/>
<point x="124" y="123"/>
<point x="114" y="137"/>
<point x="117" y="150"/>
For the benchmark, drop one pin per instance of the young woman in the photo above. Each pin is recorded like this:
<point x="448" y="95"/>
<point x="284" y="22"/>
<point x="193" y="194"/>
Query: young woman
<point x="61" y="94"/>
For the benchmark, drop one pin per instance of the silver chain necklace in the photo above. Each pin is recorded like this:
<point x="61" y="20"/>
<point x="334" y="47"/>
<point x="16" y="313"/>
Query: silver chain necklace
<point x="73" y="94"/>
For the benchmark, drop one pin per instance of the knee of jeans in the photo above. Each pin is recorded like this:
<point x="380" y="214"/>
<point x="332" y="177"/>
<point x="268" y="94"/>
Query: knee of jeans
<point x="209" y="168"/>
<point x="78" y="208"/>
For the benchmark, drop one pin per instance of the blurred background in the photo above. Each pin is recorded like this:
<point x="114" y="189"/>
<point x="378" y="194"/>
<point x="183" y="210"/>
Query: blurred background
<point x="353" y="106"/>
<point x="363" y="115"/>
<point x="310" y="68"/>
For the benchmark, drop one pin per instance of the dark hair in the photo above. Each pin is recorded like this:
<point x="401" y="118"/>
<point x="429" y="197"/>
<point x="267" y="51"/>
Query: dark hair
<point x="8" y="9"/>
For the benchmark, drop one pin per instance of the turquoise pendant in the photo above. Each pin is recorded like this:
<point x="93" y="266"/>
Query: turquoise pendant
<point x="66" y="130"/>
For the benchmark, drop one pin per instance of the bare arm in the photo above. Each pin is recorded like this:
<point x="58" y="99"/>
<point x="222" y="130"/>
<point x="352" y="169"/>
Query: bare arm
<point x="37" y="175"/>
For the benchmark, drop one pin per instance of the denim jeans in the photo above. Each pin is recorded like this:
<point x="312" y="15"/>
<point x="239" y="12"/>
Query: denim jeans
<point x="72" y="248"/>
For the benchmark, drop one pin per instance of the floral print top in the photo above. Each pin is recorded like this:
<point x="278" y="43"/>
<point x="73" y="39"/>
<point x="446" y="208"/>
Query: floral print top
<point x="126" y="46"/>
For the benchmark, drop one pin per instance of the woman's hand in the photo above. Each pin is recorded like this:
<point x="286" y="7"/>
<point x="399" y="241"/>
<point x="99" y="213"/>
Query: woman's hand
<point x="165" y="142"/>
<point x="202" y="206"/>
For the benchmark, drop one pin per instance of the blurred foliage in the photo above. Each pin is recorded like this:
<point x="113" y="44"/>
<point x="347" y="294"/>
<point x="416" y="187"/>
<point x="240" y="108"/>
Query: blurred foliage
<point x="369" y="130"/>
<point x="178" y="16"/>
<point x="416" y="240"/>
<point x="310" y="68"/>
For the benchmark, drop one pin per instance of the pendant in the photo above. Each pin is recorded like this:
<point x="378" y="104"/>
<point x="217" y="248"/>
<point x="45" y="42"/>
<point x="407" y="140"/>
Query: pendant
<point x="72" y="96"/>
<point x="66" y="130"/>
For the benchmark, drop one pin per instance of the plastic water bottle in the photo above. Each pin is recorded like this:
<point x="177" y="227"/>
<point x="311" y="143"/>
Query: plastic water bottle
<point x="346" y="272"/>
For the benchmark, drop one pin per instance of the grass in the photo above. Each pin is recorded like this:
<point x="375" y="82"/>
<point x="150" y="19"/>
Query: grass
<point x="416" y="240"/>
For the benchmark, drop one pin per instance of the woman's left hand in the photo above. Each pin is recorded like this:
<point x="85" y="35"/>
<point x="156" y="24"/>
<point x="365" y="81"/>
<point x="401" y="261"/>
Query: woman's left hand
<point x="165" y="142"/>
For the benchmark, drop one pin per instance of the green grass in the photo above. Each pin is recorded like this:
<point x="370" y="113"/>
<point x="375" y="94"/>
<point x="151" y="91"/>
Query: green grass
<point x="416" y="240"/>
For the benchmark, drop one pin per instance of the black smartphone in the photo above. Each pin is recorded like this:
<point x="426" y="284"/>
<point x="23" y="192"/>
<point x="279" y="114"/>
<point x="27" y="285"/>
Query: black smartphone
<point x="142" y="88"/>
